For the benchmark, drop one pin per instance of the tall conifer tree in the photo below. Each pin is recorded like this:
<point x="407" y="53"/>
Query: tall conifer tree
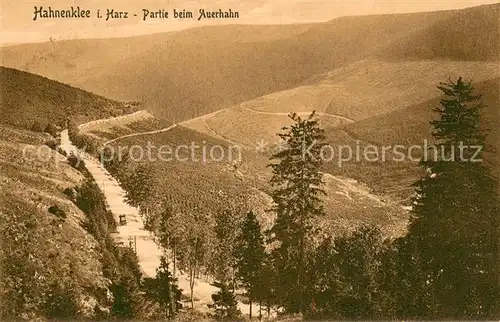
<point x="454" y="225"/>
<point x="297" y="184"/>
<point x="250" y="255"/>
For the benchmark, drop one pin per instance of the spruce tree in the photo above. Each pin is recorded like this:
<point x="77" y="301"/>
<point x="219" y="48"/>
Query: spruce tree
<point x="297" y="188"/>
<point x="327" y="285"/>
<point x="225" y="304"/>
<point x="125" y="290"/>
<point x="163" y="289"/>
<point x="250" y="254"/>
<point x="359" y="265"/>
<point x="454" y="224"/>
<point x="269" y="285"/>
<point x="349" y="281"/>
<point x="163" y="233"/>
<point x="226" y="232"/>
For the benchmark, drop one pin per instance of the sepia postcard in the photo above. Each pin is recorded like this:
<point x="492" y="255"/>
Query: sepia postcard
<point x="252" y="160"/>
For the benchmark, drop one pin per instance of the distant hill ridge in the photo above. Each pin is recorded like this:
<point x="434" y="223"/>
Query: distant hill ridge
<point x="184" y="74"/>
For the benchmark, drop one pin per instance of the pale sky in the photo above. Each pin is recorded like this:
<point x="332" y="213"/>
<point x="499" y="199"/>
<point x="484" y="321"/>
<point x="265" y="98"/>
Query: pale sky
<point x="18" y="25"/>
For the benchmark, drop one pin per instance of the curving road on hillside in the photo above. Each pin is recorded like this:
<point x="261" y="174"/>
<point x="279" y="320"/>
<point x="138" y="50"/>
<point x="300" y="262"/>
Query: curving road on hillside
<point x="348" y="120"/>
<point x="141" y="133"/>
<point x="112" y="119"/>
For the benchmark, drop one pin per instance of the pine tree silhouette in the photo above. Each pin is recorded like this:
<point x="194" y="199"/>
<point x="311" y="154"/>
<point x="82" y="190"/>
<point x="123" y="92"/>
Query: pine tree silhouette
<point x="297" y="184"/>
<point x="452" y="237"/>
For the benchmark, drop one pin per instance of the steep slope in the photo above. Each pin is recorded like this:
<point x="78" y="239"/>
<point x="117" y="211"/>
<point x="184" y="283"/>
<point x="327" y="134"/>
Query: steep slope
<point x="57" y="259"/>
<point x="29" y="98"/>
<point x="45" y="256"/>
<point x="181" y="75"/>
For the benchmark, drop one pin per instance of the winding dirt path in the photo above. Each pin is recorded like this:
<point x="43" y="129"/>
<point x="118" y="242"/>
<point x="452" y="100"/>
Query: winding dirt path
<point x="348" y="120"/>
<point x="141" y="133"/>
<point x="148" y="252"/>
<point x="85" y="126"/>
